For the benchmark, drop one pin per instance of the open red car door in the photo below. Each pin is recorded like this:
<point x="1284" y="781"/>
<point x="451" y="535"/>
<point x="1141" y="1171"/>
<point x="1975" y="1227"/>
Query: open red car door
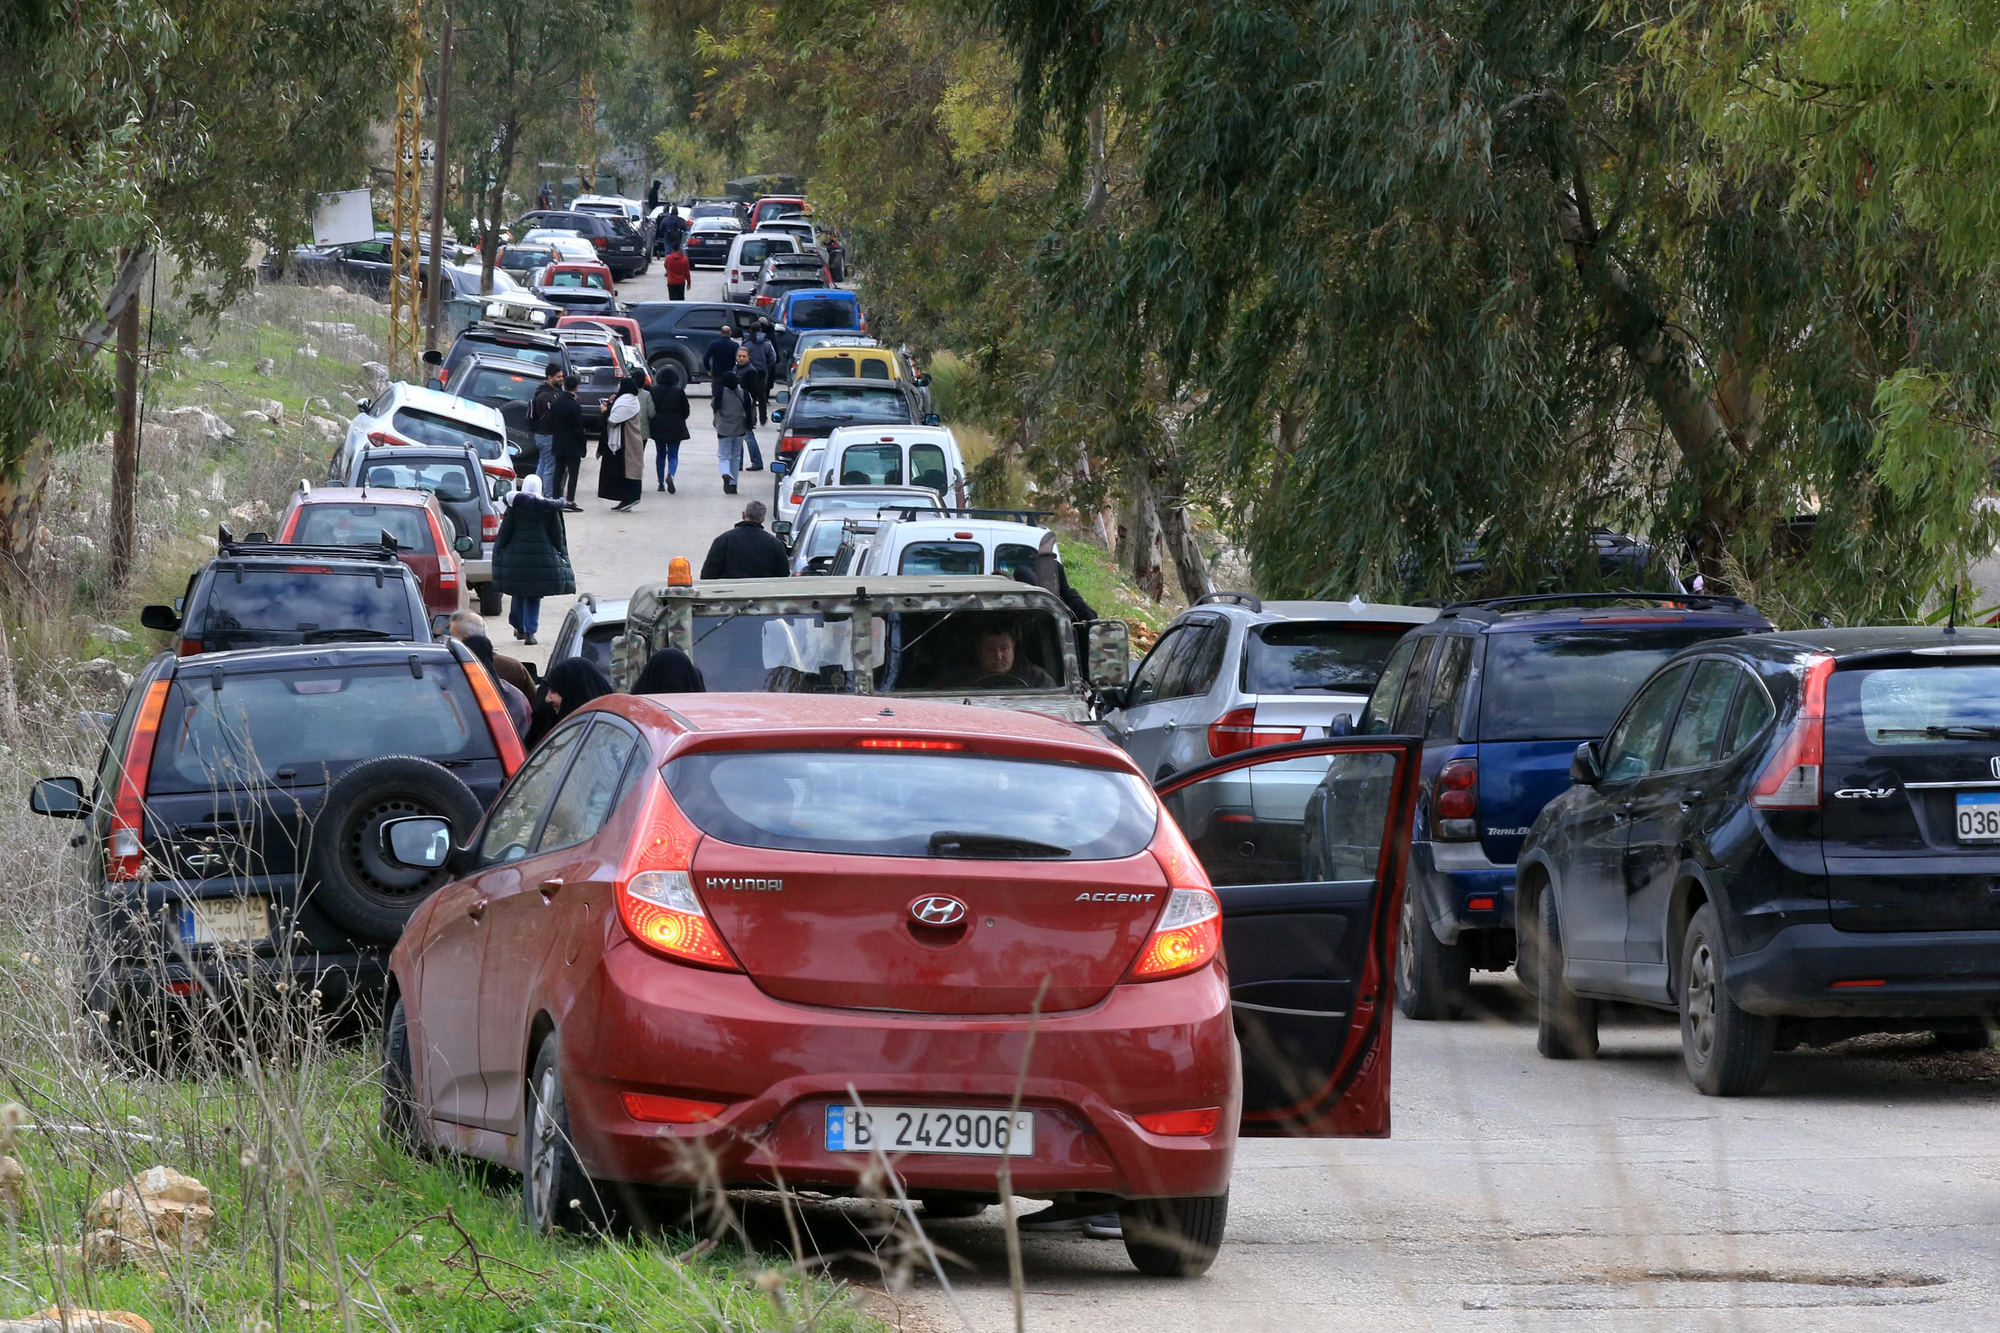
<point x="1307" y="845"/>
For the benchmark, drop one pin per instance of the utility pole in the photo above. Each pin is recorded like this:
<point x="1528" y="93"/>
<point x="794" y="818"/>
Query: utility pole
<point x="125" y="446"/>
<point x="437" y="187"/>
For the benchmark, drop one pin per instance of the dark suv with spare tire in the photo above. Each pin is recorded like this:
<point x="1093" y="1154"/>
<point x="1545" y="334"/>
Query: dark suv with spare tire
<point x="234" y="826"/>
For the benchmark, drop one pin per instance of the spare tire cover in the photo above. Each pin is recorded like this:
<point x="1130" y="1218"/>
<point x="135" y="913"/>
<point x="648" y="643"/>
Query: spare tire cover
<point x="348" y="877"/>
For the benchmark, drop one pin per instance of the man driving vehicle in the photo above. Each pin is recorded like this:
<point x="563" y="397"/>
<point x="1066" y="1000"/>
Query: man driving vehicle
<point x="997" y="664"/>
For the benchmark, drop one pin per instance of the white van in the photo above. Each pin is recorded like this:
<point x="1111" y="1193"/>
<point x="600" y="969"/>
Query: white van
<point x="951" y="545"/>
<point x="746" y="259"/>
<point x="926" y="456"/>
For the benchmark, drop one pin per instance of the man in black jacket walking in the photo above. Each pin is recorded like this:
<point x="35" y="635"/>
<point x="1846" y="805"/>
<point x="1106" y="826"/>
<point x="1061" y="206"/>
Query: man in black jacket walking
<point x="721" y="354"/>
<point x="565" y="423"/>
<point x="746" y="551"/>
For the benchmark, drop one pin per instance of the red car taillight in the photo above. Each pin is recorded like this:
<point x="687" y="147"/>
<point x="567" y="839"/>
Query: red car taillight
<point x="125" y="847"/>
<point x="599" y="241"/>
<point x="655" y="1109"/>
<point x="1237" y="730"/>
<point x="791" y="444"/>
<point x="489" y="526"/>
<point x="656" y="899"/>
<point x="1200" y="1121"/>
<point x="1189" y="931"/>
<point x="1455" y="801"/>
<point x="494" y="710"/>
<point x="188" y="648"/>
<point x="384" y="437"/>
<point x="1790" y="780"/>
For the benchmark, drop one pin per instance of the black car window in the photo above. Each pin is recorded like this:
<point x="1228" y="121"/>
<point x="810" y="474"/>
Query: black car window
<point x="704" y="321"/>
<point x="942" y="558"/>
<point x="590" y="788"/>
<point x="510" y="830"/>
<point x="347" y="523"/>
<point x="1010" y="558"/>
<point x="1633" y="747"/>
<point x="890" y="803"/>
<point x="1409" y="719"/>
<point x="1568" y="684"/>
<point x="1381" y="705"/>
<point x="1292" y="656"/>
<point x="591" y="356"/>
<point x="1699" y="727"/>
<point x="852" y="404"/>
<point x="1204" y="662"/>
<point x="1753" y="711"/>
<point x="1448" y="688"/>
<point x="490" y="384"/>
<point x="831" y="368"/>
<point x="927" y="467"/>
<point x="870" y="464"/>
<point x="303" y="719"/>
<point x="1152" y="673"/>
<point x="451" y="479"/>
<point x="369" y="252"/>
<point x="429" y="428"/>
<point x="823" y="312"/>
<point x="259" y="606"/>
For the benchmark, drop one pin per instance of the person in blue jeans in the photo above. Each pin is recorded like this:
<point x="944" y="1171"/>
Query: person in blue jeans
<point x="538" y="422"/>
<point x="670" y="427"/>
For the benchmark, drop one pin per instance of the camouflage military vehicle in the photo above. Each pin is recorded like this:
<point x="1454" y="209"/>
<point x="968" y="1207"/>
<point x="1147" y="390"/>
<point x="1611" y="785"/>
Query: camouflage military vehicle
<point x="990" y="642"/>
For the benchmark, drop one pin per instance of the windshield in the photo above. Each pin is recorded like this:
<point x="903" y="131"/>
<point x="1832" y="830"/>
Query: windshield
<point x="363" y="525"/>
<point x="488" y="384"/>
<point x="824" y="312"/>
<point x="852" y="404"/>
<point x="1329" y="656"/>
<point x="428" y="428"/>
<point x="885" y="803"/>
<point x="306" y="720"/>
<point x="251" y="608"/>
<point x="957" y="652"/>
<point x="452" y="480"/>
<point x="1930" y="705"/>
<point x="827" y="501"/>
<point x="942" y="558"/>
<point x="1570" y="684"/>
<point x="574" y="278"/>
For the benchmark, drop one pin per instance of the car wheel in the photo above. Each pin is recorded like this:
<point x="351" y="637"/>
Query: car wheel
<point x="1727" y="1050"/>
<point x="1527" y="970"/>
<point x="402" y="1122"/>
<point x="1173" y="1237"/>
<point x="1565" y="1023"/>
<point x="944" y="1206"/>
<point x="353" y="881"/>
<point x="556" y="1193"/>
<point x="489" y="599"/>
<point x="1431" y="977"/>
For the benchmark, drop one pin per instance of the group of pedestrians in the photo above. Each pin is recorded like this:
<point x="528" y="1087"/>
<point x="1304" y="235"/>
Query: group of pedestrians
<point x="740" y="377"/>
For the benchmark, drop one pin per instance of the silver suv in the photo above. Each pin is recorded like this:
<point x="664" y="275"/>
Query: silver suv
<point x="1233" y="672"/>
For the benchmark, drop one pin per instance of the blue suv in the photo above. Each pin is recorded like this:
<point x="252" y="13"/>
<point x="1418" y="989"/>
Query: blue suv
<point x="1501" y="691"/>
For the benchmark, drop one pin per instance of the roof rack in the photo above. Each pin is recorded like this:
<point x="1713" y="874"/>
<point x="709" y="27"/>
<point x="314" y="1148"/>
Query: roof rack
<point x="256" y="544"/>
<point x="910" y="512"/>
<point x="1694" y="601"/>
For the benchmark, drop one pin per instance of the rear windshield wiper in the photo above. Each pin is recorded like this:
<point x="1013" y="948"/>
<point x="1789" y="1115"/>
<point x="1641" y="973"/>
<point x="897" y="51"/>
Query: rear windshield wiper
<point x="1957" y="731"/>
<point x="946" y="842"/>
<point x="331" y="635"/>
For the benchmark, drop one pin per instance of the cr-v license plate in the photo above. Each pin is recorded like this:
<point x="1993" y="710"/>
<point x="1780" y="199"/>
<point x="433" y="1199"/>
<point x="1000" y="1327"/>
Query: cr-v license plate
<point x="948" y="1129"/>
<point x="1979" y="816"/>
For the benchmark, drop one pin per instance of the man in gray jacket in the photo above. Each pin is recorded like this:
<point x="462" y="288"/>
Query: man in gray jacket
<point x="735" y="417"/>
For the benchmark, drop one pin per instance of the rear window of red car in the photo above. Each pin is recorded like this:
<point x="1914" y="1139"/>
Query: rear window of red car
<point x="908" y="803"/>
<point x="337" y="523"/>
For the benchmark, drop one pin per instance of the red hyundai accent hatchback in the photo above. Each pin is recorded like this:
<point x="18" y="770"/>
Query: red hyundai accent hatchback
<point x="802" y="934"/>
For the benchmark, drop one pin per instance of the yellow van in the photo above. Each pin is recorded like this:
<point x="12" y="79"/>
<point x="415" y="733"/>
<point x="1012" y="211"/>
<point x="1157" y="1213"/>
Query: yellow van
<point x="835" y="362"/>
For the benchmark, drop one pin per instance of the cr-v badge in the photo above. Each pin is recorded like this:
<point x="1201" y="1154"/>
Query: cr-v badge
<point x="1864" y="793"/>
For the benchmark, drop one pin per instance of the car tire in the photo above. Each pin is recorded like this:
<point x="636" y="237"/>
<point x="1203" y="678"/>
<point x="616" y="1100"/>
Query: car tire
<point x="942" y="1207"/>
<point x="1565" y="1022"/>
<point x="352" y="882"/>
<point x="557" y="1194"/>
<point x="1173" y="1237"/>
<point x="1431" y="977"/>
<point x="402" y="1122"/>
<point x="489" y="599"/>
<point x="1727" y="1050"/>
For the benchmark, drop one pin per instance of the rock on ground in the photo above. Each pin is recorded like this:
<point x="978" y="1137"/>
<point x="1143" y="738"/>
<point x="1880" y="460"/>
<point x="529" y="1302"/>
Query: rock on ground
<point x="200" y="422"/>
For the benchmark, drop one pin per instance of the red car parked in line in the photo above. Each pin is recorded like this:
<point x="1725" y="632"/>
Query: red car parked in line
<point x="356" y="516"/>
<point x="804" y="932"/>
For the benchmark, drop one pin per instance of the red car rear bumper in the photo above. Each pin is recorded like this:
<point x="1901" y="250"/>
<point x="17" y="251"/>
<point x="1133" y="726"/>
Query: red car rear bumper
<point x="660" y="1028"/>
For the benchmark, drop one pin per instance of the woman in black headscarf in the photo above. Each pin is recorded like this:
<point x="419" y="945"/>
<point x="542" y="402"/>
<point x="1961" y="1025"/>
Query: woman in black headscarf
<point x="670" y="671"/>
<point x="568" y="686"/>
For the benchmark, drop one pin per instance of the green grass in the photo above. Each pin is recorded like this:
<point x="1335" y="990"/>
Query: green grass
<point x="1094" y="574"/>
<point x="440" y="1246"/>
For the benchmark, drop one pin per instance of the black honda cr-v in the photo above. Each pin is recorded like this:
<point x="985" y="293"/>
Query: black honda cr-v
<point x="234" y="828"/>
<point x="1790" y="838"/>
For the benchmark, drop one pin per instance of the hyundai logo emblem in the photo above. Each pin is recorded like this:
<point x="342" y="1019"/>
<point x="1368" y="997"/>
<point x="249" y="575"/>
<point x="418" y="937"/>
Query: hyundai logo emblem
<point x="937" y="911"/>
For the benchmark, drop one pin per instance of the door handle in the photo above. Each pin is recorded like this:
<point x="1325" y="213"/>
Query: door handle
<point x="550" y="888"/>
<point x="1171" y="726"/>
<point x="1692" y="799"/>
<point x="477" y="909"/>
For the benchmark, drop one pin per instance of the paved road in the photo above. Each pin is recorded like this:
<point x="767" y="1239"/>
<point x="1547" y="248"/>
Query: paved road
<point x="1861" y="1192"/>
<point x="614" y="553"/>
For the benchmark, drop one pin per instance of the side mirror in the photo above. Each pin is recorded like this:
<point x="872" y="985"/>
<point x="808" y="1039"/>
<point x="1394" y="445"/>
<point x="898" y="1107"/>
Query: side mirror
<point x="782" y="529"/>
<point x="932" y="419"/>
<point x="1342" y="725"/>
<point x="1109" y="649"/>
<point x="59" y="798"/>
<point x="465" y="546"/>
<point x="362" y="404"/>
<point x="1111" y="698"/>
<point x="779" y="467"/>
<point x="1585" y="770"/>
<point x="419" y="842"/>
<point x="777" y="415"/>
<point x="923" y="381"/>
<point x="159" y="617"/>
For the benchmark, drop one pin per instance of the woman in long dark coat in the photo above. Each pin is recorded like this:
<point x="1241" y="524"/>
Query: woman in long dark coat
<point x="621" y="477"/>
<point x="569" y="685"/>
<point x="531" y="556"/>
<point x="670" y="427"/>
